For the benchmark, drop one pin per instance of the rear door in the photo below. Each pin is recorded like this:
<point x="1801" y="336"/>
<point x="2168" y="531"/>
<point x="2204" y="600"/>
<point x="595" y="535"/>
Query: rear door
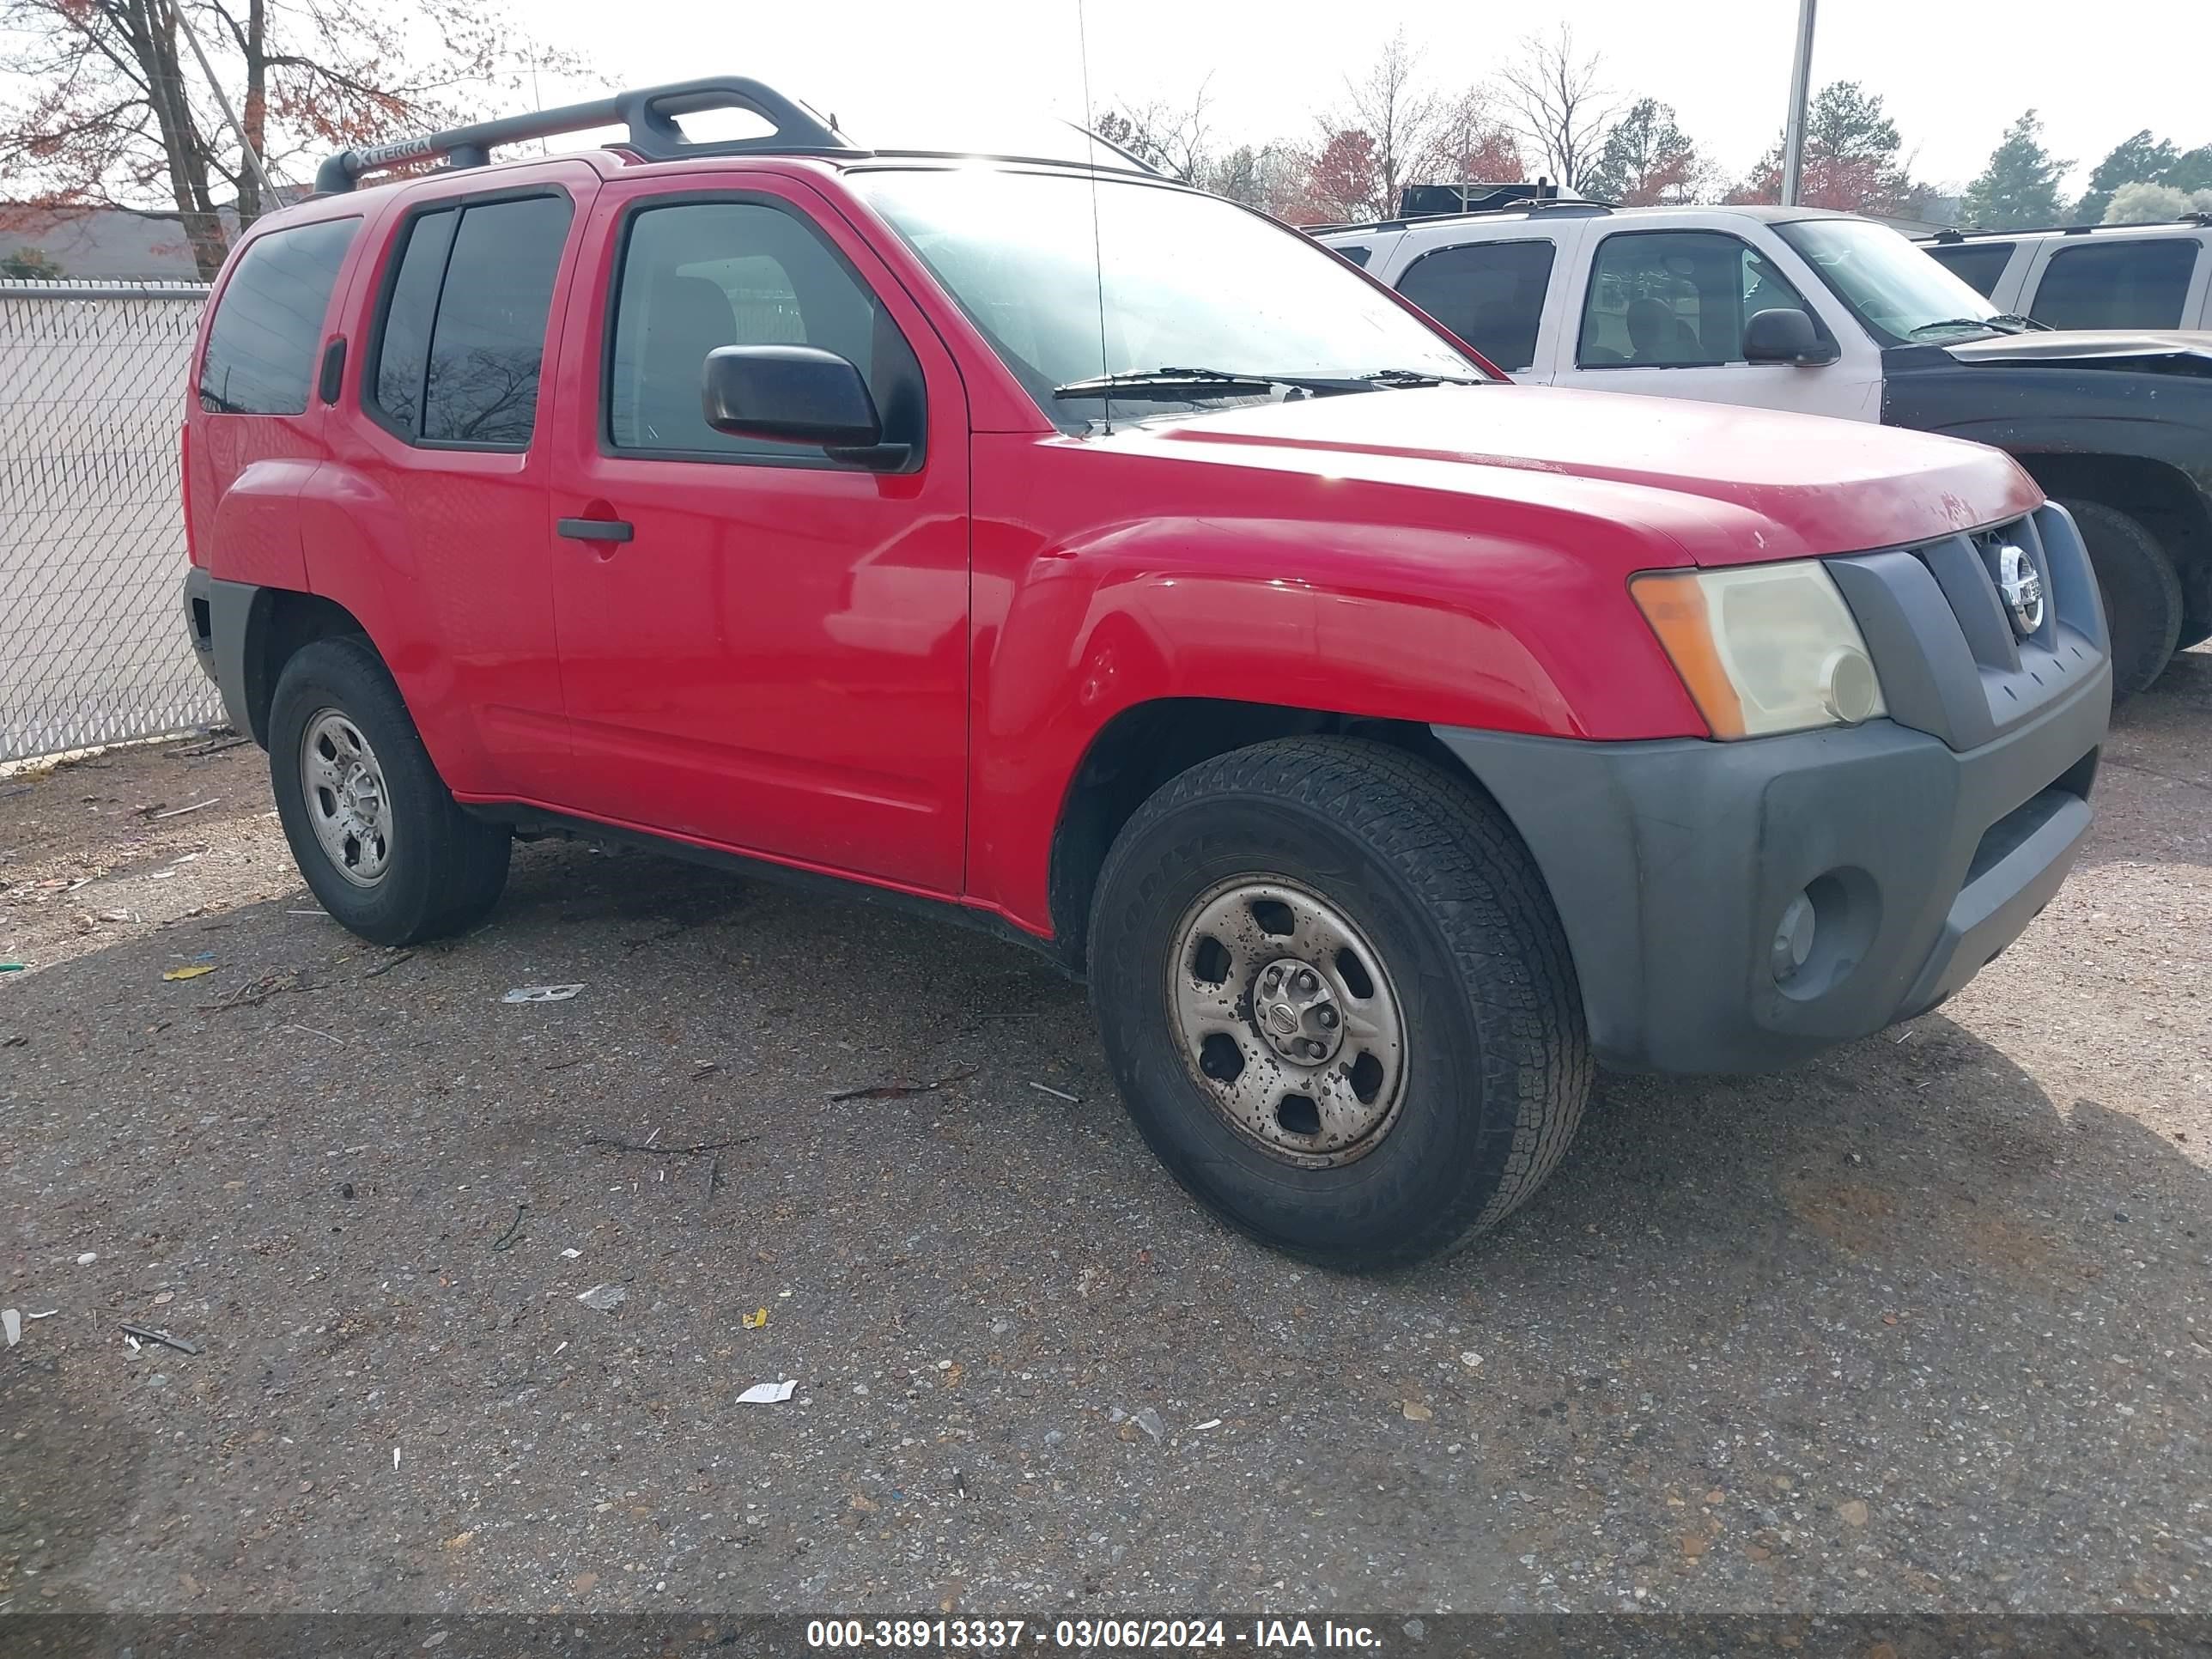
<point x="774" y="658"/>
<point x="1662" y="312"/>
<point x="435" y="533"/>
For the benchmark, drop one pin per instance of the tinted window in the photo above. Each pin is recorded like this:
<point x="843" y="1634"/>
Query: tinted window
<point x="1356" y="252"/>
<point x="402" y="356"/>
<point x="2137" y="283"/>
<point x="489" y="340"/>
<point x="706" y="274"/>
<point x="1491" y="295"/>
<point x="1675" y="298"/>
<point x="1977" y="264"/>
<point x="261" y="347"/>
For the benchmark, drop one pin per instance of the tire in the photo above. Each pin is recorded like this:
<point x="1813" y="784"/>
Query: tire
<point x="2141" y="591"/>
<point x="1450" y="924"/>
<point x="422" y="868"/>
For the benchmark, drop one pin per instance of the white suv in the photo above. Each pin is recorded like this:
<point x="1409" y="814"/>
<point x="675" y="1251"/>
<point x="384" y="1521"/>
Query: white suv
<point x="2090" y="275"/>
<point x="1827" y="313"/>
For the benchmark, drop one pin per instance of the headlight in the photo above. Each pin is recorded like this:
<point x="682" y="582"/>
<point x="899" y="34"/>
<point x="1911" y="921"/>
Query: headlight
<point x="1763" y="647"/>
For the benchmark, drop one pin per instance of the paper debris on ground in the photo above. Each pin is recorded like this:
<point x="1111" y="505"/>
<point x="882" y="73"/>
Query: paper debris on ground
<point x="572" y="1254"/>
<point x="11" y="1325"/>
<point x="754" y="1319"/>
<point x="190" y="970"/>
<point x="87" y="1258"/>
<point x="767" y="1394"/>
<point x="541" y="994"/>
<point x="1057" y="1094"/>
<point x="605" y="1298"/>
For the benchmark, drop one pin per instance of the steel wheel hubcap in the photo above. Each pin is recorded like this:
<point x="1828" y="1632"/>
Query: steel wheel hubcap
<point x="347" y="805"/>
<point x="1287" y="1020"/>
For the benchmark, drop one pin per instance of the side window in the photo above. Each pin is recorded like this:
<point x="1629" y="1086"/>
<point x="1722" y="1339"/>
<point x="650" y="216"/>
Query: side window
<point x="2137" y="283"/>
<point x="1672" y="299"/>
<point x="1977" y="264"/>
<point x="1358" y="252"/>
<point x="699" y="275"/>
<point x="261" y="347"/>
<point x="1489" y="293"/>
<point x="488" y="341"/>
<point x="461" y="336"/>
<point x="403" y="350"/>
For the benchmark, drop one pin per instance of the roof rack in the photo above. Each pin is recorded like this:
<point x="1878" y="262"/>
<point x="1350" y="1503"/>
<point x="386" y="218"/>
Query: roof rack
<point x="650" y="114"/>
<point x="1425" y="202"/>
<point x="1954" y="235"/>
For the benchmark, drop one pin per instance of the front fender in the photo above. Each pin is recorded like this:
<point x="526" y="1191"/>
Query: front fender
<point x="1395" y="606"/>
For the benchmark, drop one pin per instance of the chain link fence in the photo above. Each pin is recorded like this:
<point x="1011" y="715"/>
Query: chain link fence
<point x="92" y="535"/>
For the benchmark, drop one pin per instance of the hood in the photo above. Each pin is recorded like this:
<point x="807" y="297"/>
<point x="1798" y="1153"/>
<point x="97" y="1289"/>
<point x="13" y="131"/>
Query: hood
<point x="2187" y="351"/>
<point x="1724" y="485"/>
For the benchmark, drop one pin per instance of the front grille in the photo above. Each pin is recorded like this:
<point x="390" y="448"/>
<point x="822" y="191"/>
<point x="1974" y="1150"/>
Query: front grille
<point x="1963" y="651"/>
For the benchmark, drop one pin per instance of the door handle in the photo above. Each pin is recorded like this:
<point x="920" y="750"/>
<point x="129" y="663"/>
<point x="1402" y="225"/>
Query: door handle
<point x="596" y="530"/>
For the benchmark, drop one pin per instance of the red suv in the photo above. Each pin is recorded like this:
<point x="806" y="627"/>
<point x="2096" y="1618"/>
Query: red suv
<point x="1102" y="563"/>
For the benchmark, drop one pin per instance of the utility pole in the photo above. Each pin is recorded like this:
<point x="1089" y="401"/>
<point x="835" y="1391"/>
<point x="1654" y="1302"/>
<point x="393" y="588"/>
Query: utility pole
<point x="223" y="102"/>
<point x="1801" y="74"/>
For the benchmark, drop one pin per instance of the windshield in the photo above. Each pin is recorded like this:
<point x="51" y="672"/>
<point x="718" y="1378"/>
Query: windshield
<point x="1189" y="282"/>
<point x="1899" y="292"/>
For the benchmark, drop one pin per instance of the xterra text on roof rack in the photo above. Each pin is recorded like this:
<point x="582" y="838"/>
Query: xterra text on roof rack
<point x="1385" y="744"/>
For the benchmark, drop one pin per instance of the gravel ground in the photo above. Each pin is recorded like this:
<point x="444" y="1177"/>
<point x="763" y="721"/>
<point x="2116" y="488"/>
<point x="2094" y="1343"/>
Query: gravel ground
<point x="1924" y="1325"/>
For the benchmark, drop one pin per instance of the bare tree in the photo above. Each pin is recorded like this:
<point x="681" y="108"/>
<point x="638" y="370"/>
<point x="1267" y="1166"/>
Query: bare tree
<point x="1175" y="136"/>
<point x="1560" y="105"/>
<point x="107" y="108"/>
<point x="1397" y="115"/>
<point x="1470" y="143"/>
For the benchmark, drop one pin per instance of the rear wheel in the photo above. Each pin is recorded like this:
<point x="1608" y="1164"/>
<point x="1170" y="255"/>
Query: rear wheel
<point x="373" y="827"/>
<point x="2141" y="588"/>
<point x="1337" y="1000"/>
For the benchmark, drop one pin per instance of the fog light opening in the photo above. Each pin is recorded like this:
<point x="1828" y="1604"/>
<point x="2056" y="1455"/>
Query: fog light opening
<point x="1793" y="938"/>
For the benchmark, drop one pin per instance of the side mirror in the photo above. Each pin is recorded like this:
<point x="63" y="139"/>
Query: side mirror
<point x="1784" y="334"/>
<point x="791" y="394"/>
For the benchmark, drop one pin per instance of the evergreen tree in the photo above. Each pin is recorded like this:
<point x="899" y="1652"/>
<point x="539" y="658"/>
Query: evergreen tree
<point x="2019" y="186"/>
<point x="1647" y="160"/>
<point x="2141" y="160"/>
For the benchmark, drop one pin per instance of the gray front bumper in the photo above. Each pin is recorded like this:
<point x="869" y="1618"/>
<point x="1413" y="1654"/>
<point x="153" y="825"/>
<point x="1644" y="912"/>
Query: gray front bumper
<point x="1672" y="863"/>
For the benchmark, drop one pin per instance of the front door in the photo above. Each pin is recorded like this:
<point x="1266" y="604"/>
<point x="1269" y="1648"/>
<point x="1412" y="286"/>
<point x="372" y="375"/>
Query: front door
<point x="1663" y="313"/>
<point x="774" y="657"/>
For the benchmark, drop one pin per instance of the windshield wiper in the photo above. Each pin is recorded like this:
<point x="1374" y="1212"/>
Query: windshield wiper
<point x="1961" y="322"/>
<point x="1407" y="377"/>
<point x="2027" y="324"/>
<point x="1202" y="383"/>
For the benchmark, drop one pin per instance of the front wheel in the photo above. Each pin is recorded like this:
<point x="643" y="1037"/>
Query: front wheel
<point x="1337" y="1000"/>
<point x="2141" y="591"/>
<point x="373" y="827"/>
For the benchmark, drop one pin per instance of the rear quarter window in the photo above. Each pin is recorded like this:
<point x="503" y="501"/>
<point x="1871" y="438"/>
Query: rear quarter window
<point x="1491" y="295"/>
<point x="2142" y="282"/>
<point x="260" y="357"/>
<point x="1977" y="264"/>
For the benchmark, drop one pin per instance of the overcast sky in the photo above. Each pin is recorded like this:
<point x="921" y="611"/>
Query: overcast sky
<point x="1955" y="72"/>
